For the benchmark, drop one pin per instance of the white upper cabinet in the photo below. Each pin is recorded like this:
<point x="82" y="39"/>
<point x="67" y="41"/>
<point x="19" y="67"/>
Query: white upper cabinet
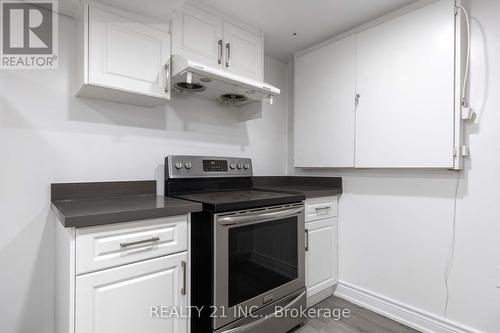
<point x="324" y="105"/>
<point x="210" y="39"/>
<point x="198" y="36"/>
<point x="122" y="60"/>
<point x="405" y="77"/>
<point x="243" y="52"/>
<point x="385" y="97"/>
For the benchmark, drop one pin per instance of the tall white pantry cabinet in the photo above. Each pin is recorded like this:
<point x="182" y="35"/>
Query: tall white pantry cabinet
<point x="384" y="96"/>
<point x="110" y="278"/>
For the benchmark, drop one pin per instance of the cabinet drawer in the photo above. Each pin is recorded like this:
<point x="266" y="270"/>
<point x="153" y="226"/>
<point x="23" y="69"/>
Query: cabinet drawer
<point x="122" y="243"/>
<point x="321" y="208"/>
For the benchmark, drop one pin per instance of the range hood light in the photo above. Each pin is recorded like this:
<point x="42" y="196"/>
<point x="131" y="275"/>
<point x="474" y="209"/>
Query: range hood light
<point x="190" y="87"/>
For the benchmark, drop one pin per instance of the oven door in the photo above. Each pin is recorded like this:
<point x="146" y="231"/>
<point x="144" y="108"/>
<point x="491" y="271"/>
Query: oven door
<point x="259" y="259"/>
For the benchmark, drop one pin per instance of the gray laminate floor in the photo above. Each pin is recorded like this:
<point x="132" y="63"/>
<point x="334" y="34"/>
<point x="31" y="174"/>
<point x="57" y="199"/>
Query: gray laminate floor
<point x="360" y="321"/>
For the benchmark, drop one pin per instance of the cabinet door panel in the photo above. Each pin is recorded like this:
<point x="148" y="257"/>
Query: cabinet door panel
<point x="321" y="257"/>
<point x="127" y="56"/>
<point x="324" y="106"/>
<point x="405" y="76"/>
<point x="244" y="56"/>
<point x="196" y="35"/>
<point x="119" y="300"/>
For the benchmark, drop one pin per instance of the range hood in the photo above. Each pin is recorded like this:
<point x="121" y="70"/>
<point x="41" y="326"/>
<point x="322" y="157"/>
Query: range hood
<point x="192" y="78"/>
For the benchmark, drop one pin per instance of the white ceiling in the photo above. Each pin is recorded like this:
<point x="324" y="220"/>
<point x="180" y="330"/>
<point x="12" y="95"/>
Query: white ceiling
<point x="160" y="9"/>
<point x="313" y="20"/>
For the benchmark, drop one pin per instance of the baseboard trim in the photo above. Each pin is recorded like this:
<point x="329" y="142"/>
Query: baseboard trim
<point x="402" y="313"/>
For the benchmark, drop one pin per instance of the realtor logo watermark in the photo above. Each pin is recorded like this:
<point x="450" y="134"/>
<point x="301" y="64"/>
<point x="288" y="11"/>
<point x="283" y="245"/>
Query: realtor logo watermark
<point x="29" y="34"/>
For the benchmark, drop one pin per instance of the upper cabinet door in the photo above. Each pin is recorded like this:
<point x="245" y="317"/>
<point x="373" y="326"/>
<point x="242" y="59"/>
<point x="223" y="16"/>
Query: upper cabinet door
<point x="119" y="300"/>
<point x="126" y="55"/>
<point x="405" y="78"/>
<point x="243" y="52"/>
<point x="197" y="35"/>
<point x="324" y="105"/>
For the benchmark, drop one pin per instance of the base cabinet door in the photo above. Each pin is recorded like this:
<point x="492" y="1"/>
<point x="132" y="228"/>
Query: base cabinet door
<point x="321" y="255"/>
<point x="120" y="300"/>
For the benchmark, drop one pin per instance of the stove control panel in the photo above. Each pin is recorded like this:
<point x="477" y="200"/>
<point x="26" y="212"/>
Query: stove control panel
<point x="180" y="166"/>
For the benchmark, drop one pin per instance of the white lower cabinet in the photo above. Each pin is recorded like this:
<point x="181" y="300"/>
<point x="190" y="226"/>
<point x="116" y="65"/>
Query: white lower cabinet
<point x="138" y="277"/>
<point x="120" y="300"/>
<point x="321" y="258"/>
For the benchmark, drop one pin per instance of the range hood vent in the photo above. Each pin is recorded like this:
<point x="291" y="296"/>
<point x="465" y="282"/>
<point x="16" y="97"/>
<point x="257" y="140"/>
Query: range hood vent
<point x="190" y="77"/>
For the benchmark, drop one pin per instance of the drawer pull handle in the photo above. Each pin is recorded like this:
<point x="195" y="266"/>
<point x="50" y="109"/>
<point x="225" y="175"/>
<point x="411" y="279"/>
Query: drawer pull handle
<point x="321" y="209"/>
<point x="151" y="240"/>
<point x="183" y="289"/>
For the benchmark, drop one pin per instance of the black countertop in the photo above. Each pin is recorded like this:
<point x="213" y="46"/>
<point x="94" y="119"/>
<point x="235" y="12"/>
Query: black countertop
<point x="311" y="187"/>
<point x="90" y="204"/>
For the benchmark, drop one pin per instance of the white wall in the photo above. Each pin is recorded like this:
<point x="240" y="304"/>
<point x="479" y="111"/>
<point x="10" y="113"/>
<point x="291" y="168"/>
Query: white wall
<point x="47" y="135"/>
<point x="396" y="226"/>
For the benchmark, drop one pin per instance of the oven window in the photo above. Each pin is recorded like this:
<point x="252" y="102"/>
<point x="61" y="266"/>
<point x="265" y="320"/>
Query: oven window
<point x="262" y="257"/>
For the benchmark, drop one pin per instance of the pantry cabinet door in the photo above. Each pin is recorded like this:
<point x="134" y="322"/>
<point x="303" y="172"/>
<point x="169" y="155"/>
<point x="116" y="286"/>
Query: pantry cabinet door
<point x="126" y="55"/>
<point x="197" y="35"/>
<point x="119" y="300"/>
<point x="325" y="105"/>
<point x="243" y="52"/>
<point x="405" y="78"/>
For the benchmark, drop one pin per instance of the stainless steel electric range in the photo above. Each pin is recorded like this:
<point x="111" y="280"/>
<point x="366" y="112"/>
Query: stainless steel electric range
<point x="247" y="247"/>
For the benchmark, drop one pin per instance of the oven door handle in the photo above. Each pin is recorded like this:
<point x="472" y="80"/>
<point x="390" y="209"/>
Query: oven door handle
<point x="267" y="317"/>
<point x="258" y="217"/>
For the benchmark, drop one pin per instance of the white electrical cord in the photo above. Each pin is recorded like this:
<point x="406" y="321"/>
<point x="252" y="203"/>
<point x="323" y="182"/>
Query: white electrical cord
<point x="451" y="256"/>
<point x="467" y="61"/>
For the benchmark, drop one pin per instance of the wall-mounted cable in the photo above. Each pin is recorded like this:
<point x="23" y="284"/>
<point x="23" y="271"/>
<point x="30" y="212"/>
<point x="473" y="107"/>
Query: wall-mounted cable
<point x="451" y="256"/>
<point x="467" y="59"/>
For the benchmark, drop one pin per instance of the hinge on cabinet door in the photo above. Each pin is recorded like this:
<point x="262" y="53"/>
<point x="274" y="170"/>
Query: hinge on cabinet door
<point x="356" y="99"/>
<point x="455" y="11"/>
<point x="464" y="151"/>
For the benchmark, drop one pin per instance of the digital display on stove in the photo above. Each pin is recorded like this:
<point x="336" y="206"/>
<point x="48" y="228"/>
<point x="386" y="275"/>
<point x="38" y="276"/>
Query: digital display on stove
<point x="214" y="165"/>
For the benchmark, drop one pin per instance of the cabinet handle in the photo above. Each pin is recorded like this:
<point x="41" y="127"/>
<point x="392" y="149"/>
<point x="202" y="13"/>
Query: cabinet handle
<point x="228" y="55"/>
<point x="167" y="77"/>
<point x="322" y="209"/>
<point x="183" y="289"/>
<point x="307" y="239"/>
<point x="220" y="52"/>
<point x="151" y="240"/>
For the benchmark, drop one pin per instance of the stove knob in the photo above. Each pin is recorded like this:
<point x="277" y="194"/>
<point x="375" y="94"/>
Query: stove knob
<point x="178" y="165"/>
<point x="232" y="165"/>
<point x="240" y="165"/>
<point x="188" y="165"/>
<point x="246" y="166"/>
